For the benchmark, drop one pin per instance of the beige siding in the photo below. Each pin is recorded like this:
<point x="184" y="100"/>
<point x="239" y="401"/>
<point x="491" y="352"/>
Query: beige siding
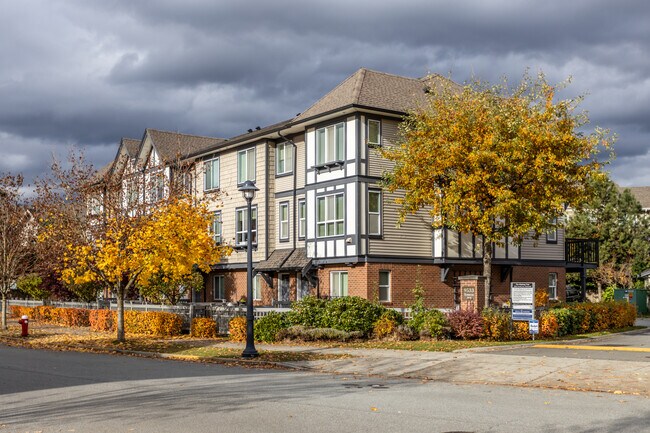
<point x="376" y="164"/>
<point x="300" y="155"/>
<point x="413" y="238"/>
<point x="532" y="249"/>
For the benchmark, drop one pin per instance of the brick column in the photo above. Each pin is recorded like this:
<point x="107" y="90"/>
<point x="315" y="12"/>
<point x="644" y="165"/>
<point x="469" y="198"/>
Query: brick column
<point x="472" y="292"/>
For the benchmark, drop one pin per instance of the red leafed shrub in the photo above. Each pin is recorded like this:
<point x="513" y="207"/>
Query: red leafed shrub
<point x="102" y="320"/>
<point x="465" y="324"/>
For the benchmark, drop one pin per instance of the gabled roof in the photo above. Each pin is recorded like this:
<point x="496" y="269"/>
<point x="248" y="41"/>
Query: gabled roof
<point x="641" y="193"/>
<point x="131" y="146"/>
<point x="372" y="89"/>
<point x="173" y="145"/>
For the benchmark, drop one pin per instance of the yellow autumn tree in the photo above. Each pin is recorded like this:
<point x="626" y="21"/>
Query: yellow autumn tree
<point x="494" y="161"/>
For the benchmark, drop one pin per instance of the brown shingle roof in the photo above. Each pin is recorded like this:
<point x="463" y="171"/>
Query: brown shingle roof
<point x="274" y="262"/>
<point x="373" y="89"/>
<point x="173" y="145"/>
<point x="131" y="145"/>
<point x="297" y="261"/>
<point x="641" y="193"/>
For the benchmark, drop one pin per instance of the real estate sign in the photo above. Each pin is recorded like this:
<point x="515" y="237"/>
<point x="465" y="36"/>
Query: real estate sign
<point x="522" y="296"/>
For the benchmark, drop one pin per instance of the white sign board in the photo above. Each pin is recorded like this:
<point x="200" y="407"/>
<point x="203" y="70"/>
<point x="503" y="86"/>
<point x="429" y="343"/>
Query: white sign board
<point x="522" y="294"/>
<point x="533" y="326"/>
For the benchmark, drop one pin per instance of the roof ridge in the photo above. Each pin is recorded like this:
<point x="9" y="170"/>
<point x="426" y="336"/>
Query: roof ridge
<point x="388" y="74"/>
<point x="183" y="133"/>
<point x="359" y="85"/>
<point x="332" y="91"/>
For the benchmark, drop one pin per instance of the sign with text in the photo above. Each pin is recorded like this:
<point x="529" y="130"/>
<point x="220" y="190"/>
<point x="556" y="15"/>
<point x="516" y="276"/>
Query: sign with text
<point x="533" y="326"/>
<point x="523" y="301"/>
<point x="469" y="292"/>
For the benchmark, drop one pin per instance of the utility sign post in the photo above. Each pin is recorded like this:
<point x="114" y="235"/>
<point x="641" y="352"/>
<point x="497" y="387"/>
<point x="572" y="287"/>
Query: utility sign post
<point x="522" y="297"/>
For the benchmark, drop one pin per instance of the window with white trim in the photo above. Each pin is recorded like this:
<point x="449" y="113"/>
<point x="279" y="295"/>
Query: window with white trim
<point x="552" y="285"/>
<point x="384" y="286"/>
<point x="257" y="287"/>
<point x="211" y="174"/>
<point x="216" y="227"/>
<point x="330" y="143"/>
<point x="241" y="226"/>
<point x="330" y="215"/>
<point x="284" y="158"/>
<point x="246" y="165"/>
<point x="338" y="284"/>
<point x="302" y="219"/>
<point x="284" y="221"/>
<point x="374" y="212"/>
<point x="551" y="235"/>
<point x="374" y="132"/>
<point x="219" y="288"/>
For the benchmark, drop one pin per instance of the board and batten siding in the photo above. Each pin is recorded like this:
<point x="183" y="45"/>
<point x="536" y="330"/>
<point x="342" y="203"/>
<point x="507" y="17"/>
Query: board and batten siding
<point x="413" y="238"/>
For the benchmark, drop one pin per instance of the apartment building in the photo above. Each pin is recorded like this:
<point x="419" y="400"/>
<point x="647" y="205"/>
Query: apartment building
<point x="322" y="225"/>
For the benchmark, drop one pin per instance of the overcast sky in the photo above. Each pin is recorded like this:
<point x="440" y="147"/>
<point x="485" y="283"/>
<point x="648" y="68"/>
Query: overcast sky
<point x="86" y="73"/>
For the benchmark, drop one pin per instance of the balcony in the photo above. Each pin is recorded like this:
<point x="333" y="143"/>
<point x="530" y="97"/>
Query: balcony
<point x="581" y="253"/>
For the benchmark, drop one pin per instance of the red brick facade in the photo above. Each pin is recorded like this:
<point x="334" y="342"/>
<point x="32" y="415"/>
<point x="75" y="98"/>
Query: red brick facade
<point x="363" y="281"/>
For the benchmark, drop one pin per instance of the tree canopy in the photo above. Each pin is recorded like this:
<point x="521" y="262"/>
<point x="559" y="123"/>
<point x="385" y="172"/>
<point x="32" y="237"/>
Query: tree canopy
<point x="494" y="161"/>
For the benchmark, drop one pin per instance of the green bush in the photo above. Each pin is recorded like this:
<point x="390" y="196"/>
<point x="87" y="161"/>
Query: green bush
<point x="434" y="324"/>
<point x="351" y="314"/>
<point x="496" y="324"/>
<point x="267" y="327"/>
<point x="302" y="333"/>
<point x="308" y="312"/>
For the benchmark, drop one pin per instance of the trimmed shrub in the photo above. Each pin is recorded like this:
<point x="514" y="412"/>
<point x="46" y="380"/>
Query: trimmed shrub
<point x="302" y="333"/>
<point x="308" y="312"/>
<point x="496" y="324"/>
<point x="520" y="331"/>
<point x="404" y="333"/>
<point x="102" y="320"/>
<point x="465" y="324"/>
<point x="351" y="314"/>
<point x="548" y="325"/>
<point x="78" y="317"/>
<point x="203" y="327"/>
<point x="152" y="323"/>
<point x="237" y="328"/>
<point x="267" y="327"/>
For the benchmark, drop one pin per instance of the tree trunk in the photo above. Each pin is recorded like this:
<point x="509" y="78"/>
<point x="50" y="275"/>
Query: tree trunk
<point x="4" y="310"/>
<point x="487" y="270"/>
<point x="120" y="314"/>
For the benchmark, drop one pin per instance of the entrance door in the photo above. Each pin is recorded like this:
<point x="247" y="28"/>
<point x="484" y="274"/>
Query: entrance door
<point x="283" y="289"/>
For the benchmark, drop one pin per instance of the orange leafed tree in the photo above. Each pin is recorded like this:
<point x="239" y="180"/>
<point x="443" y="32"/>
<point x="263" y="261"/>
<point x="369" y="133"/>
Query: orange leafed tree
<point x="493" y="161"/>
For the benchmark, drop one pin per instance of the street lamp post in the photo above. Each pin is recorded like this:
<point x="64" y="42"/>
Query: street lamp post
<point x="248" y="190"/>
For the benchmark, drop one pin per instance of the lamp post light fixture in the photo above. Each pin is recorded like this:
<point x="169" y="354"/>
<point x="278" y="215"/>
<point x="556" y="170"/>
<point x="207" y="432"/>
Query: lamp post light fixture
<point x="248" y="190"/>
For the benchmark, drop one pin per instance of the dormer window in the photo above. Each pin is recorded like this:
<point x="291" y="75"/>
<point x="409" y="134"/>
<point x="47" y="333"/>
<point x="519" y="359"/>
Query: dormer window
<point x="330" y="144"/>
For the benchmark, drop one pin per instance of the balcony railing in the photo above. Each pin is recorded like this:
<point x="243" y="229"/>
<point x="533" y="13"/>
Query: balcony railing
<point x="581" y="251"/>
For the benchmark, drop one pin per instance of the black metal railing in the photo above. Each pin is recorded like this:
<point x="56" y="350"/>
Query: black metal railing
<point x="581" y="251"/>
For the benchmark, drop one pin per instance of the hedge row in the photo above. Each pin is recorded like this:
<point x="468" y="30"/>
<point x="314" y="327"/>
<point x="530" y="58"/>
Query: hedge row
<point x="135" y="322"/>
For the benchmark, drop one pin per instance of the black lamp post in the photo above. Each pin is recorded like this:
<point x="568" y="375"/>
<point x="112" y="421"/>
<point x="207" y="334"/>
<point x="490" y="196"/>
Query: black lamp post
<point x="248" y="190"/>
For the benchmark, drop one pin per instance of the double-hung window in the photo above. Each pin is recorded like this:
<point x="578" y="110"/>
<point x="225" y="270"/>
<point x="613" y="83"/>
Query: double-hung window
<point x="219" y="288"/>
<point x="246" y="165"/>
<point x="216" y="227"/>
<point x="384" y="286"/>
<point x="374" y="212"/>
<point x="552" y="285"/>
<point x="338" y="284"/>
<point x="284" y="221"/>
<point x="211" y="173"/>
<point x="551" y="234"/>
<point x="284" y="156"/>
<point x="241" y="226"/>
<point x="257" y="288"/>
<point x="330" y="211"/>
<point x="302" y="219"/>
<point x="330" y="143"/>
<point x="374" y="132"/>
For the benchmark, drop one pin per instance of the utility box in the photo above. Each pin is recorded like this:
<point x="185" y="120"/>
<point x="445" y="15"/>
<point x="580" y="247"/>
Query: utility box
<point x="636" y="297"/>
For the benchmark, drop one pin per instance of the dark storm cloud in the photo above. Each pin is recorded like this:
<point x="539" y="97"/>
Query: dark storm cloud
<point x="88" y="73"/>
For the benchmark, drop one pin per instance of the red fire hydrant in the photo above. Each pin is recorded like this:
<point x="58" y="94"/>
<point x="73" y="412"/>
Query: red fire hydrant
<point x="24" y="322"/>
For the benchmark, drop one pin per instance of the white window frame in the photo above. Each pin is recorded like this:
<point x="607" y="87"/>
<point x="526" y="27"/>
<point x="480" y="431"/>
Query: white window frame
<point x="257" y="287"/>
<point x="376" y="214"/>
<point x="551" y="235"/>
<point x="327" y="151"/>
<point x="378" y="123"/>
<point x="552" y="285"/>
<point x="283" y="221"/>
<point x="216" y="228"/>
<point x="386" y="286"/>
<point x="244" y="172"/>
<point x="219" y="288"/>
<point x="284" y="158"/>
<point x="302" y="218"/>
<point x="337" y="276"/>
<point x="241" y="232"/>
<point x="209" y="174"/>
<point x="332" y="224"/>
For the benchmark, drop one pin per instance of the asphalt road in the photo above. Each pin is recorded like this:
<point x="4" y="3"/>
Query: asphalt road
<point x="67" y="391"/>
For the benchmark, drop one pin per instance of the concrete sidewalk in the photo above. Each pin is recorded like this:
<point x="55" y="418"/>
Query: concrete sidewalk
<point x="484" y="366"/>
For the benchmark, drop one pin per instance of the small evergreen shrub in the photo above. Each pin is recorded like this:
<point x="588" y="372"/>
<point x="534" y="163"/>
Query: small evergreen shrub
<point x="351" y="314"/>
<point x="267" y="327"/>
<point x="465" y="324"/>
<point x="302" y="333"/>
<point x="308" y="312"/>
